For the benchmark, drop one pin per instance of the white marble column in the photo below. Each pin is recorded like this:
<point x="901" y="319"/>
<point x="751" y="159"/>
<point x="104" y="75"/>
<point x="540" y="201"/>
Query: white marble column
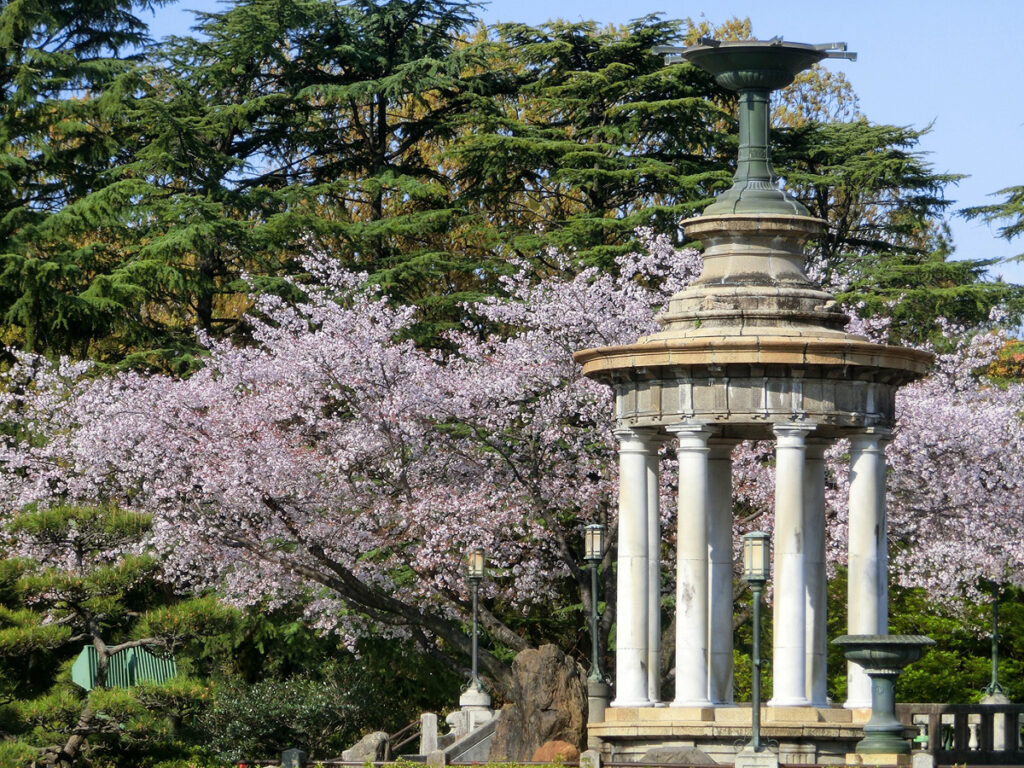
<point x="867" y="557"/>
<point x="720" y="558"/>
<point x="692" y="567"/>
<point x="631" y="616"/>
<point x="653" y="577"/>
<point x="790" y="609"/>
<point x="817" y="580"/>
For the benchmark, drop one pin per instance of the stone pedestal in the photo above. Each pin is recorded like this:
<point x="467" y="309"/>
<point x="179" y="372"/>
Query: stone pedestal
<point x="998" y="719"/>
<point x="748" y="758"/>
<point x="805" y="735"/>
<point x="428" y="733"/>
<point x="598" y="695"/>
<point x="474" y="711"/>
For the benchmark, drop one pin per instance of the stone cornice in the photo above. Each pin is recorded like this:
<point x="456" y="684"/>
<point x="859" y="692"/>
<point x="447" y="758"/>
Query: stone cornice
<point x="604" y="362"/>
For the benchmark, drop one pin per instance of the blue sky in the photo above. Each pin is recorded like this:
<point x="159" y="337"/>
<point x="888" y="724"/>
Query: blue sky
<point x="956" y="65"/>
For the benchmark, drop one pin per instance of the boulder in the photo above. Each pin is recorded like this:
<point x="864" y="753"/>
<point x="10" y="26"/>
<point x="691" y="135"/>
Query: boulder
<point x="556" y="752"/>
<point x="549" y="703"/>
<point x="373" y="747"/>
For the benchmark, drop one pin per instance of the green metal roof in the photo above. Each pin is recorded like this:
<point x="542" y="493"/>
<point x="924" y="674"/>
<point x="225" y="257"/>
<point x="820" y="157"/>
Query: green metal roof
<point x="124" y="669"/>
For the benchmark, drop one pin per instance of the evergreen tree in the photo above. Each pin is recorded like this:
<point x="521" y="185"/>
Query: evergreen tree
<point x="61" y="131"/>
<point x="1010" y="210"/>
<point x="74" y="579"/>
<point x="289" y="126"/>
<point x="886" y="251"/>
<point x="597" y="138"/>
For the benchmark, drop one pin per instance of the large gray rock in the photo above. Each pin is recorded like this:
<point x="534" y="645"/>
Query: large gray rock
<point x="373" y="747"/>
<point x="549" y="703"/>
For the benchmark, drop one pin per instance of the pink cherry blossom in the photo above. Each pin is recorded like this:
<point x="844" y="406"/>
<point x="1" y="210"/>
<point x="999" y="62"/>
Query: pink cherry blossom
<point x="332" y="461"/>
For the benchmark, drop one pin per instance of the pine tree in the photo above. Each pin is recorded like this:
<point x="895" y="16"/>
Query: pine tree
<point x="295" y="126"/>
<point x="77" y="578"/>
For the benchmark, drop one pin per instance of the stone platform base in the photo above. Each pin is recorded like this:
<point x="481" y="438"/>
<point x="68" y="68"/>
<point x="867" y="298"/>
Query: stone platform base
<point x="796" y="735"/>
<point x="748" y="758"/>
<point x="884" y="759"/>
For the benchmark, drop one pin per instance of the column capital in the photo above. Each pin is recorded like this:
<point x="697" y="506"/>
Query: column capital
<point x="793" y="434"/>
<point x="870" y="438"/>
<point x="639" y="439"/>
<point x="693" y="435"/>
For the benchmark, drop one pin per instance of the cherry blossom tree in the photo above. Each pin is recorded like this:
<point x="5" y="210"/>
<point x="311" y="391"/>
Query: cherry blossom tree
<point x="334" y="462"/>
<point x="956" y="488"/>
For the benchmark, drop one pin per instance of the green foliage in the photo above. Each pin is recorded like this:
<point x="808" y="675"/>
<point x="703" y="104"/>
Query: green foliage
<point x="327" y="707"/>
<point x="61" y="131"/>
<point x="261" y="720"/>
<point x="958" y="666"/>
<point x="84" y="585"/>
<point x="886" y="246"/>
<point x="139" y="193"/>
<point x="914" y="289"/>
<point x="1009" y="210"/>
<point x="598" y="137"/>
<point x="870" y="182"/>
<point x="297" y="126"/>
<point x="953" y="671"/>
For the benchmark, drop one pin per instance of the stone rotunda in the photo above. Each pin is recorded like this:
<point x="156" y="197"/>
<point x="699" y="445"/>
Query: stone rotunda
<point x="752" y="350"/>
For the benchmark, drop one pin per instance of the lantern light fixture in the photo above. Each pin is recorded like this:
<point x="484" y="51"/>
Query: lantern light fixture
<point x="477" y="563"/>
<point x="593" y="543"/>
<point x="756" y="557"/>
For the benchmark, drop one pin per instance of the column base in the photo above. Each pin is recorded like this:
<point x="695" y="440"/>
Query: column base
<point x="620" y="703"/>
<point x="800" y="702"/>
<point x="692" y="704"/>
<point x="855" y="705"/>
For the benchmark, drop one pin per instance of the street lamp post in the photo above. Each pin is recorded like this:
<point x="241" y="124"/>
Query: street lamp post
<point x="994" y="688"/>
<point x="475" y="572"/>
<point x="593" y="545"/>
<point x="756" y="568"/>
<point x="598" y="689"/>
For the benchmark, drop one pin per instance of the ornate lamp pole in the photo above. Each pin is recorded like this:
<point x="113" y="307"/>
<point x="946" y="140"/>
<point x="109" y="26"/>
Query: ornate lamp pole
<point x="756" y="569"/>
<point x="593" y="545"/>
<point x="475" y="573"/>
